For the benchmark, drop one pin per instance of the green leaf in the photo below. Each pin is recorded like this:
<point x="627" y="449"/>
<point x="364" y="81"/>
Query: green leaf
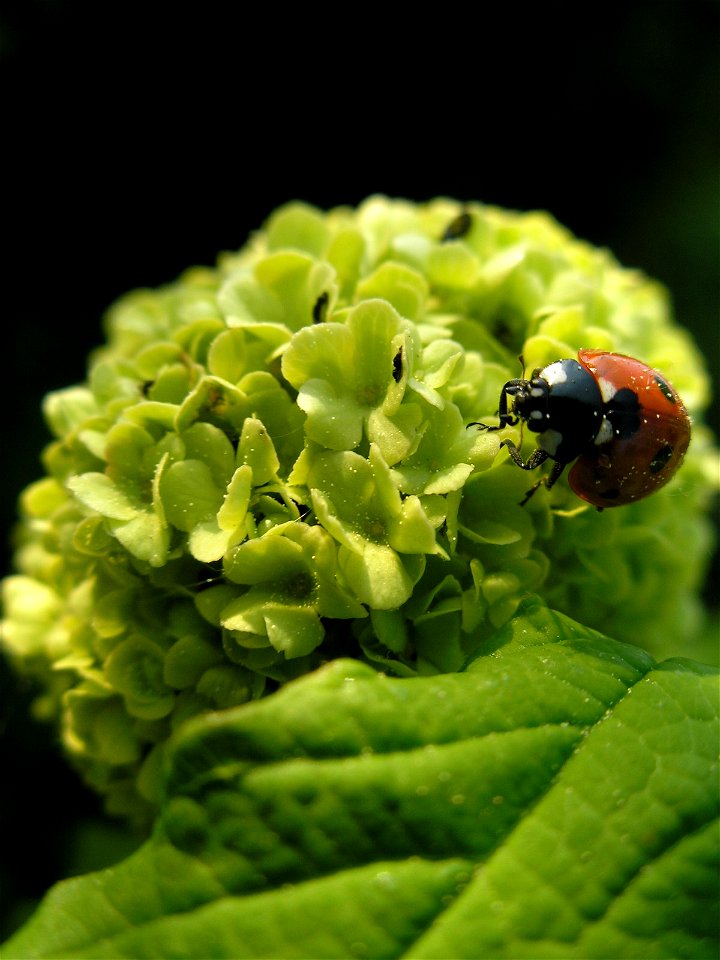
<point x="557" y="799"/>
<point x="189" y="494"/>
<point x="208" y="541"/>
<point x="256" y="450"/>
<point x="98" y="492"/>
<point x="378" y="575"/>
<point x="453" y="265"/>
<point x="405" y="289"/>
<point x="207" y="443"/>
<point x="67" y="409"/>
<point x="333" y="420"/>
<point x="145" y="537"/>
<point x="293" y="631"/>
<point x="298" y="226"/>
<point x="135" y="669"/>
<point x="227" y="355"/>
<point x="234" y="508"/>
<point x="277" y="297"/>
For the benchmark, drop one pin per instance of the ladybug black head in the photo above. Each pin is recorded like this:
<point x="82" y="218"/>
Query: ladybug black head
<point x="530" y="401"/>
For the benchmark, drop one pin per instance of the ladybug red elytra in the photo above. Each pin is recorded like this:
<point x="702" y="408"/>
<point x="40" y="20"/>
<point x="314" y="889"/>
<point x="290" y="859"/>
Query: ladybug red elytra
<point x="621" y="421"/>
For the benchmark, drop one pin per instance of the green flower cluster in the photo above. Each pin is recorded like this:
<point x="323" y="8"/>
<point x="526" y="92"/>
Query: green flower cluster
<point x="270" y="466"/>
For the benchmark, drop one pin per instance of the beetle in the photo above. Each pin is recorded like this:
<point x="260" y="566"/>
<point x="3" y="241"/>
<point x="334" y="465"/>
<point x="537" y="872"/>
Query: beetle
<point x="620" y="420"/>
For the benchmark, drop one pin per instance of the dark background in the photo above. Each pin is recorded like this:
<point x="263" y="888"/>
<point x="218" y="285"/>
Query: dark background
<point x="139" y="141"/>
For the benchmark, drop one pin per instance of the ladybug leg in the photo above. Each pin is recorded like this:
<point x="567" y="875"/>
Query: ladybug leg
<point x="531" y="491"/>
<point x="536" y="459"/>
<point x="548" y="481"/>
<point x="554" y="475"/>
<point x="506" y="419"/>
<point x="510" y="422"/>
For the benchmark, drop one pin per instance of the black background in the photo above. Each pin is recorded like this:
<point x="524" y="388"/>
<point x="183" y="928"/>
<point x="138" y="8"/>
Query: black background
<point x="139" y="141"/>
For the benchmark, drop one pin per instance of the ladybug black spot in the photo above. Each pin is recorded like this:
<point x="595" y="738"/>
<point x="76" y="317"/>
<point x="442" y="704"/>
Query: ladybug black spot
<point x="611" y="494"/>
<point x="661" y="458"/>
<point x="664" y="387"/>
<point x="623" y="412"/>
<point x="397" y="366"/>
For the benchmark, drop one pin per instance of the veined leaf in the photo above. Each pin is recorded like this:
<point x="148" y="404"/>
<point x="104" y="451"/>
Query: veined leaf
<point x="557" y="799"/>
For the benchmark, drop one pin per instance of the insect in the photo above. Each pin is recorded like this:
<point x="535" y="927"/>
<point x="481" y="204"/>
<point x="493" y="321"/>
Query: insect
<point x="458" y="227"/>
<point x="397" y="366"/>
<point x="622" y="423"/>
<point x="320" y="306"/>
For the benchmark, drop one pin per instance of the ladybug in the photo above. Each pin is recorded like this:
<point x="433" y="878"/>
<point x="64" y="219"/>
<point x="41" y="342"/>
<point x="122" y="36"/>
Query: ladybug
<point x="622" y="423"/>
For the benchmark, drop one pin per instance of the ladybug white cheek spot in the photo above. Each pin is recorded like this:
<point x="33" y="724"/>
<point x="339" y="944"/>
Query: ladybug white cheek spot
<point x="550" y="440"/>
<point x="605" y="433"/>
<point x="536" y="392"/>
<point x="607" y="389"/>
<point x="554" y="374"/>
<point x="536" y="415"/>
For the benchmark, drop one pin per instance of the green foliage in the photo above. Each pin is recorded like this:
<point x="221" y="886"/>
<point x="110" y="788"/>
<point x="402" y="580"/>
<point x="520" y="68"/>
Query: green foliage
<point x="557" y="799"/>
<point x="269" y="467"/>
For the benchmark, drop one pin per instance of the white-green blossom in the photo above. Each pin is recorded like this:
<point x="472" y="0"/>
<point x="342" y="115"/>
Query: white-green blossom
<point x="270" y="466"/>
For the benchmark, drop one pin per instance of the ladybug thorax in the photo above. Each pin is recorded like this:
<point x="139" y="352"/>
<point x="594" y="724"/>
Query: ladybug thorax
<point x="563" y="404"/>
<point x="531" y="402"/>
